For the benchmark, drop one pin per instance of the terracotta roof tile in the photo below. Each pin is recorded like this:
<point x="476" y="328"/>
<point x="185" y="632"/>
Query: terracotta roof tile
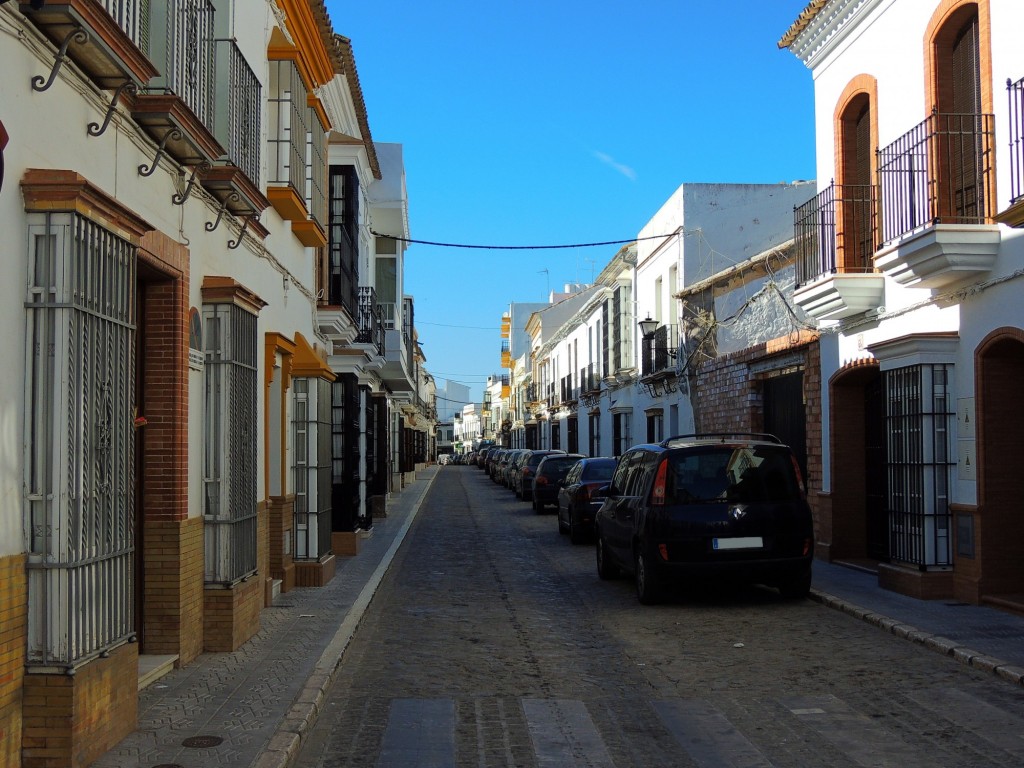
<point x="803" y="20"/>
<point x="343" y="47"/>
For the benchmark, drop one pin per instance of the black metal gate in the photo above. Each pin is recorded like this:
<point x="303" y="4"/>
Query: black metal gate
<point x="784" y="414"/>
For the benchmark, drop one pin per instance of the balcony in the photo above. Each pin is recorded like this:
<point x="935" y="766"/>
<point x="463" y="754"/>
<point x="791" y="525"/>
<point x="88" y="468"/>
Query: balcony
<point x="112" y="50"/>
<point x="177" y="107"/>
<point x="235" y="180"/>
<point x="835" y="234"/>
<point x="659" y="351"/>
<point x="370" y="321"/>
<point x="506" y="354"/>
<point x="938" y="193"/>
<point x="1014" y="214"/>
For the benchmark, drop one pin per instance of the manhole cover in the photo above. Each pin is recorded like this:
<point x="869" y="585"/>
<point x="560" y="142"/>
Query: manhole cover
<point x="169" y="765"/>
<point x="202" y="742"/>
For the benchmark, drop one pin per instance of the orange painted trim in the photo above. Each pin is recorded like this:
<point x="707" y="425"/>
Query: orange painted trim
<point x="317" y="106"/>
<point x="306" y="31"/>
<point x="310" y="361"/>
<point x="294" y="55"/>
<point x="273" y="344"/>
<point x="286" y="201"/>
<point x="309" y="233"/>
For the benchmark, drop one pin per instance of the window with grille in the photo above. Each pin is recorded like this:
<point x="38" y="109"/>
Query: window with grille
<point x="919" y="463"/>
<point x="79" y="439"/>
<point x="229" y="461"/>
<point x="622" y="435"/>
<point x="312" y="429"/>
<point x="343" y="238"/>
<point x="594" y="446"/>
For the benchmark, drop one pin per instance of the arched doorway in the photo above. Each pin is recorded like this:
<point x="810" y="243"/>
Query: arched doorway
<point x="860" y="520"/>
<point x="1000" y="411"/>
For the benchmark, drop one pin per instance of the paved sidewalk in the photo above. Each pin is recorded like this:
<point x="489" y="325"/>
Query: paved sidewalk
<point x="979" y="636"/>
<point x="251" y="708"/>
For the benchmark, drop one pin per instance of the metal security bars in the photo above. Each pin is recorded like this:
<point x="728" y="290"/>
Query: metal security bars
<point x="185" y="53"/>
<point x="312" y="440"/>
<point x="939" y="172"/>
<point x="918" y="449"/>
<point x="287" y="127"/>
<point x="657" y="351"/>
<point x="1016" y="94"/>
<point x="835" y="232"/>
<point x="316" y="168"/>
<point x="370" y="320"/>
<point x="238" y="109"/>
<point x="79" y="440"/>
<point x="229" y="475"/>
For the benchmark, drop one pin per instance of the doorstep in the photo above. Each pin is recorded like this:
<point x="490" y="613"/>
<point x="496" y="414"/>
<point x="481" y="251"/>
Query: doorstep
<point x="154" y="666"/>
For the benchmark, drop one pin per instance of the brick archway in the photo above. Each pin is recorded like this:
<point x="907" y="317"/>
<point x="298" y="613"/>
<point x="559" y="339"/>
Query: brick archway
<point x="999" y="410"/>
<point x="859" y="523"/>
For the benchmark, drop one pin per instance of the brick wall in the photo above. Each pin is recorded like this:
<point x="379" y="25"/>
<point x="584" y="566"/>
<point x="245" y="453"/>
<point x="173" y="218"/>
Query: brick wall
<point x="729" y="397"/>
<point x="173" y="611"/>
<point x="281" y="511"/>
<point x="231" y="616"/>
<point x="13" y="641"/>
<point x="71" y="720"/>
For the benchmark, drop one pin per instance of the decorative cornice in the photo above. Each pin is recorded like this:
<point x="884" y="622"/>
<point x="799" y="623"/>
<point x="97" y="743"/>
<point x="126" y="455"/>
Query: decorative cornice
<point x="226" y="290"/>
<point x="822" y="25"/>
<point x="48" y="190"/>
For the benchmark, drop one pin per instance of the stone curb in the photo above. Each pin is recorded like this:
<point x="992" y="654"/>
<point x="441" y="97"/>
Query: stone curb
<point x="283" y="747"/>
<point x="937" y="643"/>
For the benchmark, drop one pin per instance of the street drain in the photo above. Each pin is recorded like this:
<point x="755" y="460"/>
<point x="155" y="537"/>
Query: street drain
<point x="169" y="765"/>
<point x="202" y="742"/>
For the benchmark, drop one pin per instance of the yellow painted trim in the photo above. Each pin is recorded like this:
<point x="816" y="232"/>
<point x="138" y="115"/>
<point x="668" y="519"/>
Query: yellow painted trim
<point x="318" y="107"/>
<point x="309" y="233"/>
<point x="273" y="343"/>
<point x="286" y="201"/>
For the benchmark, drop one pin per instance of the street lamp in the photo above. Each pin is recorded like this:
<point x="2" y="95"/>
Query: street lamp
<point x="648" y="328"/>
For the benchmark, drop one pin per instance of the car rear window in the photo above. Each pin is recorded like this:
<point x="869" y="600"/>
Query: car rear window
<point x="599" y="471"/>
<point x="743" y="475"/>
<point x="561" y="466"/>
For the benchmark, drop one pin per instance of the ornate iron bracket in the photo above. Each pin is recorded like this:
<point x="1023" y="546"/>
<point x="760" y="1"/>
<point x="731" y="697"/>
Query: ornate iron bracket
<point x="232" y="244"/>
<point x="173" y="133"/>
<point x="81" y="37"/>
<point x="202" y="168"/>
<point x="234" y="197"/>
<point x="95" y="129"/>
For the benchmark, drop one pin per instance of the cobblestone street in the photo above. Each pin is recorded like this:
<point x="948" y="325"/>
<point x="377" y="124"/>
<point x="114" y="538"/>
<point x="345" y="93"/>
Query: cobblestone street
<point x="492" y="642"/>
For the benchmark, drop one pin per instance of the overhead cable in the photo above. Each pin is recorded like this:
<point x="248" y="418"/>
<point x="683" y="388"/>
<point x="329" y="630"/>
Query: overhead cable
<point x="523" y="247"/>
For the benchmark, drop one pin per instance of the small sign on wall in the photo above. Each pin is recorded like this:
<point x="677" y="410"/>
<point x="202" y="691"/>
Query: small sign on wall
<point x="965" y="418"/>
<point x="967" y="460"/>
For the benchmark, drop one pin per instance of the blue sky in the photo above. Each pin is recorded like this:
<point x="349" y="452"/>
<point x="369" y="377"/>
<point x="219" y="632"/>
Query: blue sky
<point x="562" y="122"/>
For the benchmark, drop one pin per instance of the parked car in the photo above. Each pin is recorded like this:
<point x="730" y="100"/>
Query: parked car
<point x="579" y="496"/>
<point x="512" y="471"/>
<point x="444" y="458"/>
<point x="549" y="476"/>
<point x="494" y="462"/>
<point x="524" y="473"/>
<point x="707" y="507"/>
<point x="504" y="468"/>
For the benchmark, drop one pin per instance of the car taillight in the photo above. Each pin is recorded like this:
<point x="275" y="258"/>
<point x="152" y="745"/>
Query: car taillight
<point x="799" y="475"/>
<point x="540" y="480"/>
<point x="658" y="492"/>
<point x="584" y="494"/>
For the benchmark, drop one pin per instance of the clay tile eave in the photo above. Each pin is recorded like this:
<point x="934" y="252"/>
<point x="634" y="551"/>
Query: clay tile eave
<point x="343" y="48"/>
<point x="803" y="20"/>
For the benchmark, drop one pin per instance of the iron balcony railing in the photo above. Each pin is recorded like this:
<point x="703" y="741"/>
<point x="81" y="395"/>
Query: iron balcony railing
<point x="659" y="350"/>
<point x="238" y="109"/>
<point x="132" y="16"/>
<point x="370" y="320"/>
<point x="939" y="172"/>
<point x="835" y="231"/>
<point x="185" y="53"/>
<point x="1016" y="94"/>
<point x="532" y="393"/>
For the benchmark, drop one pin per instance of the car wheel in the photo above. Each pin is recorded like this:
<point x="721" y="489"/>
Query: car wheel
<point x="605" y="568"/>
<point x="576" y="536"/>
<point x="797" y="587"/>
<point x="648" y="586"/>
<point x="561" y="526"/>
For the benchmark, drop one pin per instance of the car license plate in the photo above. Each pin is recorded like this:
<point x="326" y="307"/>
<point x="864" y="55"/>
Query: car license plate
<point x="740" y="542"/>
